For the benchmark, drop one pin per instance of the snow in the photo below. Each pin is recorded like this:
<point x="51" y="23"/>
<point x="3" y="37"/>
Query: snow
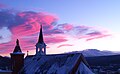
<point x="58" y="70"/>
<point x="17" y="53"/>
<point x="5" y="70"/>
<point x="47" y="64"/>
<point x="83" y="69"/>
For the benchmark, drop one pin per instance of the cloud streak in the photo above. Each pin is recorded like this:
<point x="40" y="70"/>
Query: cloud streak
<point x="64" y="45"/>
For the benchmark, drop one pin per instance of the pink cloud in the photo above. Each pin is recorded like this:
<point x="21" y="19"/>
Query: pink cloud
<point x="87" y="32"/>
<point x="68" y="27"/>
<point x="64" y="45"/>
<point x="25" y="29"/>
<point x="55" y="40"/>
<point x="40" y="17"/>
<point x="97" y="37"/>
<point x="2" y="6"/>
<point x="6" y="48"/>
<point x="29" y="23"/>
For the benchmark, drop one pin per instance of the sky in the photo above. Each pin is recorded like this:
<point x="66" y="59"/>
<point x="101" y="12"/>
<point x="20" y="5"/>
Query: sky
<point x="67" y="25"/>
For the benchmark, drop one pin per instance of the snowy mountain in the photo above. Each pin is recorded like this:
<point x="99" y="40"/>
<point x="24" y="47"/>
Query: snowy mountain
<point x="95" y="52"/>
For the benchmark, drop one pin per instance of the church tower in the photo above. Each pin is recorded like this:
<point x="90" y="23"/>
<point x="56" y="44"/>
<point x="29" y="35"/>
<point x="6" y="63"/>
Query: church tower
<point x="17" y="59"/>
<point x="40" y="46"/>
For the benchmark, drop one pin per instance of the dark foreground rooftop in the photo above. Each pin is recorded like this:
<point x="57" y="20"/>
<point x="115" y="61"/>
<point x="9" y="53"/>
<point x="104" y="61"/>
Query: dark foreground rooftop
<point x="56" y="64"/>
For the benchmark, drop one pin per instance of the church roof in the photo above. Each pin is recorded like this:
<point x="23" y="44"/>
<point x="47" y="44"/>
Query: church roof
<point x="55" y="64"/>
<point x="17" y="47"/>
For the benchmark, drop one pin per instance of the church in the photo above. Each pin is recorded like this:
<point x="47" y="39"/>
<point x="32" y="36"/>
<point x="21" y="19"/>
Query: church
<point x="42" y="63"/>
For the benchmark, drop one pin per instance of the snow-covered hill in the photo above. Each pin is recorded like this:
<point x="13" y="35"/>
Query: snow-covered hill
<point x="95" y="52"/>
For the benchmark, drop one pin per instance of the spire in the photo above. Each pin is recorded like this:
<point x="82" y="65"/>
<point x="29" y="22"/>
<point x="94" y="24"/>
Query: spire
<point x="40" y="40"/>
<point x="27" y="52"/>
<point x="17" y="42"/>
<point x="17" y="47"/>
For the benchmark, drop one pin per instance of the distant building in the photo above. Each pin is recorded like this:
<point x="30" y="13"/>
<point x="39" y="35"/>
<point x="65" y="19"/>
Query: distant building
<point x="40" y="63"/>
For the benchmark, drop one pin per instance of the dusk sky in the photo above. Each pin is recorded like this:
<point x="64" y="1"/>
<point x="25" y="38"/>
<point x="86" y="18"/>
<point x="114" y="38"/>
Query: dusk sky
<point x="68" y="25"/>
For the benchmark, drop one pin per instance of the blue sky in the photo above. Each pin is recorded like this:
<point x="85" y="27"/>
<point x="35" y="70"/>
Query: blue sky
<point x="89" y="12"/>
<point x="100" y="14"/>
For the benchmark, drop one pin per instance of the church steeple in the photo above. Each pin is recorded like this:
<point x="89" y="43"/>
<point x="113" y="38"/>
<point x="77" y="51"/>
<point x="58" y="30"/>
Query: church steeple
<point x="40" y="46"/>
<point x="40" y="40"/>
<point x="17" y="47"/>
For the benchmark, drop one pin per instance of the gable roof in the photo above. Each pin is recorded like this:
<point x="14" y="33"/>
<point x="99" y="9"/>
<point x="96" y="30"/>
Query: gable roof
<point x="65" y="63"/>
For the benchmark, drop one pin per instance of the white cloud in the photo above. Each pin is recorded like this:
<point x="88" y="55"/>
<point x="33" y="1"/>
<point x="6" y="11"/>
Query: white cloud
<point x="5" y="35"/>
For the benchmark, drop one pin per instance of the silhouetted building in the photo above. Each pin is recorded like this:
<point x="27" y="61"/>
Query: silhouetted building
<point x="17" y="58"/>
<point x="40" y="46"/>
<point x="40" y="63"/>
